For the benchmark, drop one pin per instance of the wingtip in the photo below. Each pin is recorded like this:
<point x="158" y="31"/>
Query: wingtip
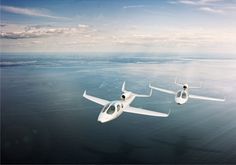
<point x="84" y="93"/>
<point x="150" y="94"/>
<point x="150" y="86"/>
<point x="169" y="112"/>
<point x="222" y="100"/>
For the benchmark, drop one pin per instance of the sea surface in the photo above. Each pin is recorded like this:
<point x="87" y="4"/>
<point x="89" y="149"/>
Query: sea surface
<point x="45" y="119"/>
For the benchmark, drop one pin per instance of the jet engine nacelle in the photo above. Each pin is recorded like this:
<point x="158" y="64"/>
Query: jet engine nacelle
<point x="125" y="95"/>
<point x="185" y="86"/>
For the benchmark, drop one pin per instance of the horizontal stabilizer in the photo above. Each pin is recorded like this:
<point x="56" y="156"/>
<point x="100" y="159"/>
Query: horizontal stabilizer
<point x="162" y="90"/>
<point x="135" y="94"/>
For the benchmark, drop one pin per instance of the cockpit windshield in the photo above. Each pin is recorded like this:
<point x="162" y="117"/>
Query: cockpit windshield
<point x="178" y="94"/>
<point x="105" y="107"/>
<point x="111" y="110"/>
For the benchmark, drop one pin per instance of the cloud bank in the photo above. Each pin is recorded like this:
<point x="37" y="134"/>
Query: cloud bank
<point x="85" y="37"/>
<point x="39" y="31"/>
<point x="210" y="6"/>
<point x="29" y="12"/>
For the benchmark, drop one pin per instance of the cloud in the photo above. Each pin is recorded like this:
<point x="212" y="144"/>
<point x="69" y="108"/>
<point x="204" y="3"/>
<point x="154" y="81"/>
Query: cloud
<point x="39" y="31"/>
<point x="134" y="6"/>
<point x="16" y="37"/>
<point x="196" y="2"/>
<point x="179" y="39"/>
<point x="36" y="42"/>
<point x="83" y="26"/>
<point x="210" y="6"/>
<point x="188" y="2"/>
<point x="3" y="25"/>
<point x="29" y="12"/>
<point x="211" y="10"/>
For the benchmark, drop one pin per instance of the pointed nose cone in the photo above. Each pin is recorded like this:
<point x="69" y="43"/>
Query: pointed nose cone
<point x="177" y="100"/>
<point x="100" y="120"/>
<point x="180" y="101"/>
<point x="103" y="118"/>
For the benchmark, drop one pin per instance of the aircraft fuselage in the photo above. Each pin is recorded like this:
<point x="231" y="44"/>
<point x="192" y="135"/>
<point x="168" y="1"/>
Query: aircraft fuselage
<point x="181" y="96"/>
<point x="114" y="109"/>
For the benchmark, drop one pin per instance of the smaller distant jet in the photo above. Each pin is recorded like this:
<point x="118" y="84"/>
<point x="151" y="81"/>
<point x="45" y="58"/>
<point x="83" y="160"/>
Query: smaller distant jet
<point x="113" y="109"/>
<point x="183" y="95"/>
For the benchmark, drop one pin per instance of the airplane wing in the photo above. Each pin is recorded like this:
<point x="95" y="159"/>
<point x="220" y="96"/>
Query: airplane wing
<point x="205" y="98"/>
<point x="162" y="90"/>
<point x="145" y="112"/>
<point x="95" y="99"/>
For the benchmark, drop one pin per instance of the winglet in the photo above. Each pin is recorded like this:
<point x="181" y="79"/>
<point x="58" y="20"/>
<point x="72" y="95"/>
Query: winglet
<point x="138" y="95"/>
<point x="150" y="94"/>
<point x="150" y="85"/>
<point x="224" y="99"/>
<point x="84" y="93"/>
<point x="169" y="112"/>
<point x="177" y="82"/>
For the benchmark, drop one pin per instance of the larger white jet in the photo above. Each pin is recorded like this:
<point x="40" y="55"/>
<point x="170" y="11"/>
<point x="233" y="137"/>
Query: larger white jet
<point x="113" y="109"/>
<point x="183" y="95"/>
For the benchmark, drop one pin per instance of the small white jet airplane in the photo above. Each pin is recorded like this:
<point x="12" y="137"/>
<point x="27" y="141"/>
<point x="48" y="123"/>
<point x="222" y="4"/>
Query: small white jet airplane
<point x="113" y="109"/>
<point x="183" y="95"/>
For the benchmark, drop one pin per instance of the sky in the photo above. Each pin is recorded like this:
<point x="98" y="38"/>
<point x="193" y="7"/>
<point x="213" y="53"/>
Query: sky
<point x="170" y="26"/>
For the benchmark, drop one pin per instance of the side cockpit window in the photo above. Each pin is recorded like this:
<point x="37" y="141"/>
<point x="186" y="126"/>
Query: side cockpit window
<point x="118" y="107"/>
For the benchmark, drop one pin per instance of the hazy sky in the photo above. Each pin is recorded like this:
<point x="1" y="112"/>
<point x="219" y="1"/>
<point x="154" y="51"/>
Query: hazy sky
<point x="174" y="26"/>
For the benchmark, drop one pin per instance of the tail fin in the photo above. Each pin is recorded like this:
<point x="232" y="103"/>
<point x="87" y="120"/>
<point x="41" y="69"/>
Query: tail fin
<point x="178" y="83"/>
<point x="149" y="95"/>
<point x="123" y="87"/>
<point x="136" y="95"/>
<point x="192" y="87"/>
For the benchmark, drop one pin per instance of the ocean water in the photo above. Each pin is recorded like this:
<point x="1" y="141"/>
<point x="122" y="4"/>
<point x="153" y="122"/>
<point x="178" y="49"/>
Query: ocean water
<point x="45" y="119"/>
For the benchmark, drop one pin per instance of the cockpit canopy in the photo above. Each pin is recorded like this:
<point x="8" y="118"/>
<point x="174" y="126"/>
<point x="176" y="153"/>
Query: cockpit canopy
<point x="184" y="95"/>
<point x="181" y="94"/>
<point x="111" y="108"/>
